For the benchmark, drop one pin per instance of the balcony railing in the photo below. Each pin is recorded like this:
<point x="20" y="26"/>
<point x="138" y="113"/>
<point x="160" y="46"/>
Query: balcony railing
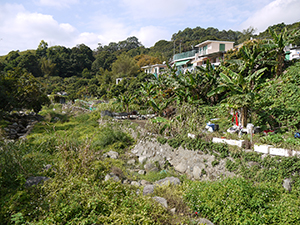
<point x="184" y="55"/>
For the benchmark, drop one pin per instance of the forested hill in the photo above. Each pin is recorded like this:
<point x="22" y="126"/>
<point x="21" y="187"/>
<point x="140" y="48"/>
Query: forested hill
<point x="93" y="72"/>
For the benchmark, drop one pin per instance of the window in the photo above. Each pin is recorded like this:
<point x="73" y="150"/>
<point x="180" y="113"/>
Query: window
<point x="204" y="49"/>
<point x="222" y="47"/>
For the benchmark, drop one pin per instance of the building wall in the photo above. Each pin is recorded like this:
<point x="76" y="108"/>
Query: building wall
<point x="228" y="46"/>
<point x="214" y="47"/>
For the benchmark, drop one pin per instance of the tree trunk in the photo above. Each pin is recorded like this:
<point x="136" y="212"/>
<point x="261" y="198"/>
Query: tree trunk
<point x="244" y="115"/>
<point x="280" y="65"/>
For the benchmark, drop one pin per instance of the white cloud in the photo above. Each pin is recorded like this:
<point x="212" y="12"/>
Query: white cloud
<point x="109" y="29"/>
<point x="58" y="3"/>
<point x="89" y="39"/>
<point x="149" y="35"/>
<point x="23" y="30"/>
<point x="277" y="11"/>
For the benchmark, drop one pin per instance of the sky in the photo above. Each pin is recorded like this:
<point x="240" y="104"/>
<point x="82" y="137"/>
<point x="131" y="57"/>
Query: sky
<point x="24" y="23"/>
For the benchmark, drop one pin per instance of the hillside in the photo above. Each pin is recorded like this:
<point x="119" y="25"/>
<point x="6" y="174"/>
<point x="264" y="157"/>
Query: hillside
<point x="143" y="151"/>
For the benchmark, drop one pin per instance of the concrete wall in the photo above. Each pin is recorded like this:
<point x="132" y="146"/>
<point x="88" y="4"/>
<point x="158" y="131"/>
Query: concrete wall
<point x="215" y="46"/>
<point x="265" y="149"/>
<point x="269" y="149"/>
<point x="238" y="143"/>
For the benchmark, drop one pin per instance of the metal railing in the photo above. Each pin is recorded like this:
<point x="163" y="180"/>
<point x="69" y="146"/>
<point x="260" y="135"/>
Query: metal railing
<point x="185" y="55"/>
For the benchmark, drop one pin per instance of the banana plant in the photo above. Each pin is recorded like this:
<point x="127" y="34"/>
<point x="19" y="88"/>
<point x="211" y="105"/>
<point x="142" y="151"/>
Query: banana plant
<point x="240" y="90"/>
<point x="158" y="105"/>
<point x="124" y="101"/>
<point x="278" y="43"/>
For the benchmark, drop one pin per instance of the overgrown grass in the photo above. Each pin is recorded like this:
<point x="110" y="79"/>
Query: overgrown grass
<point x="78" y="194"/>
<point x="238" y="201"/>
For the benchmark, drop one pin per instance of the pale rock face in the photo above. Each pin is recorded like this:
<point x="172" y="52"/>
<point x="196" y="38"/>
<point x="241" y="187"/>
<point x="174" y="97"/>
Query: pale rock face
<point x="112" y="176"/>
<point x="112" y="154"/>
<point x="135" y="183"/>
<point x="287" y="184"/>
<point x="204" y="221"/>
<point x="197" y="172"/>
<point x="184" y="161"/>
<point x="143" y="159"/>
<point x="161" y="201"/>
<point x="131" y="162"/>
<point x="181" y="167"/>
<point x="168" y="181"/>
<point x="150" y="167"/>
<point x="148" y="189"/>
<point x="142" y="172"/>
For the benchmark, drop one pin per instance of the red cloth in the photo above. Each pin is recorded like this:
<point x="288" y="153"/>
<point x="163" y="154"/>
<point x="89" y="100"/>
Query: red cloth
<point x="236" y="119"/>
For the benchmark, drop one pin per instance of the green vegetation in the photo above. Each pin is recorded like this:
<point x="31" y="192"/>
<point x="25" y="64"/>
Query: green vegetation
<point x="238" y="201"/>
<point x="69" y="146"/>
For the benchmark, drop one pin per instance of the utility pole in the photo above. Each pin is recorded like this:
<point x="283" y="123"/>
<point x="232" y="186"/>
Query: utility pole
<point x="174" y="48"/>
<point x="180" y="46"/>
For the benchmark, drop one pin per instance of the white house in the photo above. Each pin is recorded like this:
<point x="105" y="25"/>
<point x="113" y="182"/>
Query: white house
<point x="156" y="69"/>
<point x="210" y="49"/>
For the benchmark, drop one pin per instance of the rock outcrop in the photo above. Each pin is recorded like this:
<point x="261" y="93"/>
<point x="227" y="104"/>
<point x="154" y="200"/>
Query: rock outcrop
<point x="194" y="165"/>
<point x="20" y="125"/>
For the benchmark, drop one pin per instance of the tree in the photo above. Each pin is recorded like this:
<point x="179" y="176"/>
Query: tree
<point x="240" y="90"/>
<point x="246" y="34"/>
<point x="81" y="57"/>
<point x="30" y="62"/>
<point x="278" y="43"/>
<point x="144" y="60"/>
<point x="104" y="59"/>
<point x="60" y="56"/>
<point x="125" y="66"/>
<point x="86" y="74"/>
<point x="42" y="49"/>
<point x="251" y="57"/>
<point x="47" y="67"/>
<point x="130" y="43"/>
<point x="11" y="60"/>
<point x="22" y="91"/>
<point x="124" y="101"/>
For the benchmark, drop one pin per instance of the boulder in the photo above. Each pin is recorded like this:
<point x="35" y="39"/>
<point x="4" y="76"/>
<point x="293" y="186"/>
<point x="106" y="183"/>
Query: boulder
<point x="149" y="167"/>
<point x="148" y="189"/>
<point x="111" y="176"/>
<point x="112" y="154"/>
<point x="287" y="184"/>
<point x="106" y="113"/>
<point x="197" y="172"/>
<point x="203" y="221"/>
<point x="173" y="211"/>
<point x="161" y="201"/>
<point x="182" y="160"/>
<point x="48" y="167"/>
<point x="181" y="167"/>
<point x="135" y="183"/>
<point x="142" y="172"/>
<point x="125" y="181"/>
<point x="131" y="162"/>
<point x="35" y="180"/>
<point x="143" y="159"/>
<point x="167" y="181"/>
<point x="144" y="182"/>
